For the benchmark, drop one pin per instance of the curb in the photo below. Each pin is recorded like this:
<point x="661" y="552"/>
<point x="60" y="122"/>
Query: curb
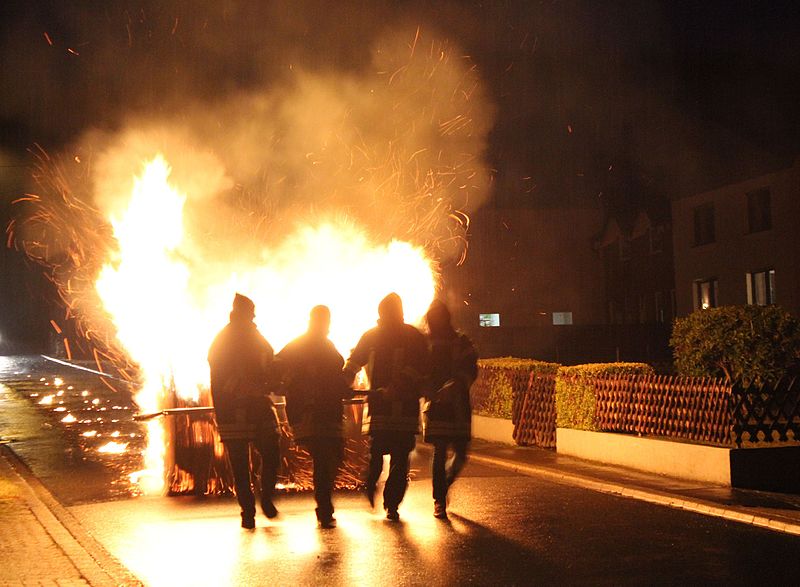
<point x="94" y="563"/>
<point x="665" y="499"/>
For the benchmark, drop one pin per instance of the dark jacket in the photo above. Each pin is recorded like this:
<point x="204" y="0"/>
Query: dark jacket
<point x="311" y="373"/>
<point x="241" y="362"/>
<point x="454" y="367"/>
<point x="396" y="358"/>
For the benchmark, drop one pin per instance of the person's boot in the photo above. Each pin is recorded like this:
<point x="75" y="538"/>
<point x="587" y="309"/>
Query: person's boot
<point x="268" y="507"/>
<point x="439" y="510"/>
<point x="392" y="514"/>
<point x="325" y="523"/>
<point x="248" y="521"/>
<point x="325" y="518"/>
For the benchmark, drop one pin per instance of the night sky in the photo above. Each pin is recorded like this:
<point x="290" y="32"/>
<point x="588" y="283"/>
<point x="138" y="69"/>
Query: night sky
<point x="611" y="100"/>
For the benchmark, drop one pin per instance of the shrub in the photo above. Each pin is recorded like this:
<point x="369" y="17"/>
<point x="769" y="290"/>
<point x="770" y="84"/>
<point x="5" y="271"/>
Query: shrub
<point x="501" y="383"/>
<point x="743" y="344"/>
<point x="575" y="391"/>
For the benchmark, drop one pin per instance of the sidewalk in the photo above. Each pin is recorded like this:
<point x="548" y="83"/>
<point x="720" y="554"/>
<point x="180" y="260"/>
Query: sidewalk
<point x="775" y="511"/>
<point x="41" y="543"/>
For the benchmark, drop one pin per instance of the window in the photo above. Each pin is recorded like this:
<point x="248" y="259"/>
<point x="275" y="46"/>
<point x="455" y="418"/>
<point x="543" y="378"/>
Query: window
<point x="489" y="320"/>
<point x="562" y="318"/>
<point x="705" y="294"/>
<point x="673" y="304"/>
<point x="660" y="310"/>
<point x="656" y="239"/>
<point x="704" y="224"/>
<point x="759" y="210"/>
<point x="624" y="249"/>
<point x="761" y="287"/>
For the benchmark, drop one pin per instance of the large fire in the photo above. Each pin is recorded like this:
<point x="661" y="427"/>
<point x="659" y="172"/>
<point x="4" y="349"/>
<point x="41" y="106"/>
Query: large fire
<point x="166" y="320"/>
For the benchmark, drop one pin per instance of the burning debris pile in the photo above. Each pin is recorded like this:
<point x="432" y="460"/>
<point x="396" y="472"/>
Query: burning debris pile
<point x="332" y="188"/>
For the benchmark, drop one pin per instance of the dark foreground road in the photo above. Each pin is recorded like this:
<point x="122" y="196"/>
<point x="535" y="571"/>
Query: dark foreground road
<point x="504" y="530"/>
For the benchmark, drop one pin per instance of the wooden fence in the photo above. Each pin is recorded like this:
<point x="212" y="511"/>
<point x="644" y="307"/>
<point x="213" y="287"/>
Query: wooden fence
<point x="535" y="424"/>
<point x="707" y="411"/>
<point x="673" y="407"/>
<point x="700" y="410"/>
<point x="766" y="413"/>
<point x="526" y="396"/>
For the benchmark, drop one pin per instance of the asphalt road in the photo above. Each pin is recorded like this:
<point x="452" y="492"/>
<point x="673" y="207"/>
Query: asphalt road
<point x="505" y="529"/>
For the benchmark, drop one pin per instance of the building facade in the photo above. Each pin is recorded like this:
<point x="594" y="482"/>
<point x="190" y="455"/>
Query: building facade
<point x="532" y="284"/>
<point x="739" y="244"/>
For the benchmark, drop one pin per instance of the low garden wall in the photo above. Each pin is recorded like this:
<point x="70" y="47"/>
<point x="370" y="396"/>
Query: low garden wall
<point x="631" y="405"/>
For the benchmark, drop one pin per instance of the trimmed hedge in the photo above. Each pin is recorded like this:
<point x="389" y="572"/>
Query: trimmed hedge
<point x="501" y="384"/>
<point x="743" y="344"/>
<point x="575" y="392"/>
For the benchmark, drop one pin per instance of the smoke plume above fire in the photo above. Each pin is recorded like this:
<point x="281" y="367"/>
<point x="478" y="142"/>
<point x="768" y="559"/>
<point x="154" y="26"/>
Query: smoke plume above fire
<point x="393" y="152"/>
<point x="397" y="147"/>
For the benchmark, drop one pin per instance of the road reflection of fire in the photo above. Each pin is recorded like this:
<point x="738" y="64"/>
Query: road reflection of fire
<point x="113" y="447"/>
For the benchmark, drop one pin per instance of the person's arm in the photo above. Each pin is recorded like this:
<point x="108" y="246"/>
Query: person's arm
<point x="267" y="365"/>
<point x="358" y="358"/>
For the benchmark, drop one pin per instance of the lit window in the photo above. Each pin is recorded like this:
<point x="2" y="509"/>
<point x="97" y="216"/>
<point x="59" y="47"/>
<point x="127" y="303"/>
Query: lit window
<point x="761" y="287"/>
<point x="562" y="318"/>
<point x="705" y="294"/>
<point x="759" y="210"/>
<point x="489" y="320"/>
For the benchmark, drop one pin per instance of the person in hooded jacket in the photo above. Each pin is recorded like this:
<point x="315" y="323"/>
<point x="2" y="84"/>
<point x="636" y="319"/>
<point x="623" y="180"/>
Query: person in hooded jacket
<point x="241" y="359"/>
<point x="395" y="355"/>
<point x="314" y="387"/>
<point x="447" y="417"/>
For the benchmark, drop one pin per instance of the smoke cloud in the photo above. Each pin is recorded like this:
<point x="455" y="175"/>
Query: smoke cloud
<point x="393" y="141"/>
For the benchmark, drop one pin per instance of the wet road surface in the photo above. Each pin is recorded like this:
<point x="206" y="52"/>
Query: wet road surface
<point x="505" y="529"/>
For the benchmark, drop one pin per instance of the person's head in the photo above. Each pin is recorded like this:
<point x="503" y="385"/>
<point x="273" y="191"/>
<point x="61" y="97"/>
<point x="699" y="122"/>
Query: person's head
<point x="319" y="322"/>
<point x="438" y="318"/>
<point x="390" y="310"/>
<point x="244" y="310"/>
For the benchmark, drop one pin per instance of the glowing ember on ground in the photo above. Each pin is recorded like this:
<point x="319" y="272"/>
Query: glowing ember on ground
<point x="89" y="433"/>
<point x="112" y="447"/>
<point x="46" y="400"/>
<point x="69" y="419"/>
<point x="58" y="382"/>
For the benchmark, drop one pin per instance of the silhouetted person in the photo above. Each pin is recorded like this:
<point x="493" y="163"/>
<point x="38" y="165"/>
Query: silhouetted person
<point x="241" y="363"/>
<point x="314" y="387"/>
<point x="448" y="415"/>
<point x="396" y="357"/>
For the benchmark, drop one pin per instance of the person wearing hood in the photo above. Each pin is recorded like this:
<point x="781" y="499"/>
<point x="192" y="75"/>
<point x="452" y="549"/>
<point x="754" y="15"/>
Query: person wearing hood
<point x="395" y="355"/>
<point x="311" y="373"/>
<point x="447" y="417"/>
<point x="241" y="360"/>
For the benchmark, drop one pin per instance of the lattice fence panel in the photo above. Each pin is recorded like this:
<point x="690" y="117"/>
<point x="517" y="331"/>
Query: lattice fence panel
<point x="674" y="407"/>
<point x="536" y="421"/>
<point x="767" y="413"/>
<point x="489" y="393"/>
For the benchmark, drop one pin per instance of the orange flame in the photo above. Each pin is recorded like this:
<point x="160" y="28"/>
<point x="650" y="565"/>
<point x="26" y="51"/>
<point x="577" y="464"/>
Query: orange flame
<point x="166" y="321"/>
